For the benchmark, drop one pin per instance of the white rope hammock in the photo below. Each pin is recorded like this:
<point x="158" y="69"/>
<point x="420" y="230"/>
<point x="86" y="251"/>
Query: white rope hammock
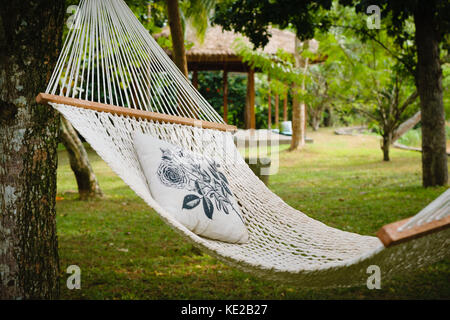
<point x="112" y="79"/>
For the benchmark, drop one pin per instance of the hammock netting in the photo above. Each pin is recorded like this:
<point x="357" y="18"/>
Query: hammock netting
<point x="110" y="58"/>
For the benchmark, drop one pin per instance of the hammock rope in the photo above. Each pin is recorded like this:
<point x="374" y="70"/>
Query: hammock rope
<point x="113" y="79"/>
<point x="109" y="57"/>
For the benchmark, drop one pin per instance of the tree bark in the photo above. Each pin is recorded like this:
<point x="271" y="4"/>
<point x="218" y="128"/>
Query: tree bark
<point x="315" y="122"/>
<point x="269" y="104"/>
<point x="328" y="121"/>
<point x="296" y="121"/>
<point x="429" y="83"/>
<point x="30" y="38"/>
<point x="88" y="186"/>
<point x="298" y="109"/>
<point x="385" y="145"/>
<point x="176" y="31"/>
<point x="315" y="117"/>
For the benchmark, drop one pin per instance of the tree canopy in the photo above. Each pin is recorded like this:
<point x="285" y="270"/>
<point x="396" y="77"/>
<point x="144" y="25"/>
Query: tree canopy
<point x="420" y="31"/>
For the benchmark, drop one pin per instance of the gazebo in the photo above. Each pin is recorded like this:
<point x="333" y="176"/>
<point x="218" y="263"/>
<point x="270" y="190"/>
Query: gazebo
<point x="216" y="53"/>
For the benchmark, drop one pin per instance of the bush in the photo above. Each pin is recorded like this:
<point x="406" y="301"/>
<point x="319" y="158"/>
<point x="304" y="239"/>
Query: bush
<point x="210" y="85"/>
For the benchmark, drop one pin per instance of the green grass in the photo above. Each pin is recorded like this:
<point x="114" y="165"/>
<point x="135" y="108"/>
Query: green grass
<point x="125" y="251"/>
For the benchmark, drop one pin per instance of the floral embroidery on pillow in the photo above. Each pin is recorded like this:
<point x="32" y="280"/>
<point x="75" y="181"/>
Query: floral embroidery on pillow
<point x="208" y="185"/>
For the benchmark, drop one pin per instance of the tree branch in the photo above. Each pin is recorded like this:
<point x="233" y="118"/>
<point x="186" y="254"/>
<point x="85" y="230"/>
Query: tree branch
<point x="372" y="37"/>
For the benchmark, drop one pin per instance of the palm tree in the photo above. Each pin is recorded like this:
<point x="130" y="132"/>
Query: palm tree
<point x="196" y="12"/>
<point x="176" y="31"/>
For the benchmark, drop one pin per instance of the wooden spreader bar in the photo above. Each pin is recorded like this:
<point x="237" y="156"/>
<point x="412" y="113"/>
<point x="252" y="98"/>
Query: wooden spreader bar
<point x="390" y="236"/>
<point x="45" y="98"/>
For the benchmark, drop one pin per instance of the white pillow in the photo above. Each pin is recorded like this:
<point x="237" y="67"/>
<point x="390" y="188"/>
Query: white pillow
<point x="178" y="181"/>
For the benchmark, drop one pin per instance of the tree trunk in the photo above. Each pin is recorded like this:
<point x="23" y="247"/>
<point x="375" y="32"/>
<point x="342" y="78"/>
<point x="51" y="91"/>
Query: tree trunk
<point x="269" y="105"/>
<point x="296" y="121"/>
<point x="79" y="162"/>
<point x="176" y="31"/>
<point x="298" y="109"/>
<point x="30" y="38"/>
<point x="315" y="122"/>
<point x="429" y="82"/>
<point x="327" y="120"/>
<point x="386" y="143"/>
<point x="315" y="117"/>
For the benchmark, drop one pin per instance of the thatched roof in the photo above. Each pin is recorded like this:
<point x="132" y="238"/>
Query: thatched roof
<point x="216" y="51"/>
<point x="220" y="43"/>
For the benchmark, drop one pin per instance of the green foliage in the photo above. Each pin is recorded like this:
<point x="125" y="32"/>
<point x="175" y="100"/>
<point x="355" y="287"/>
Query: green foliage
<point x="378" y="79"/>
<point x="364" y="77"/>
<point x="446" y="87"/>
<point x="252" y="18"/>
<point x="317" y="97"/>
<point x="262" y="103"/>
<point x="282" y="72"/>
<point x="398" y="15"/>
<point x="280" y="66"/>
<point x="210" y="85"/>
<point x="197" y="12"/>
<point x="151" y="13"/>
<point x="211" y="88"/>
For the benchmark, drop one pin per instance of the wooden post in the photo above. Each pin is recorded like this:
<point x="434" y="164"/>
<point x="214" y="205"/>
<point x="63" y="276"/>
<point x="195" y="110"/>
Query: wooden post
<point x="269" y="101"/>
<point x="250" y="122"/>
<point x="277" y="111"/>
<point x="225" y="95"/>
<point x="195" y="79"/>
<point x="285" y="116"/>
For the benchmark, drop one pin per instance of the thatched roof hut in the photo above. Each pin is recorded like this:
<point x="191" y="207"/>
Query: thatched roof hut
<point x="216" y="52"/>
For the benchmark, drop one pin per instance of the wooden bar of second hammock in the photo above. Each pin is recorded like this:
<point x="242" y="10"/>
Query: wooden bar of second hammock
<point x="44" y="98"/>
<point x="390" y="235"/>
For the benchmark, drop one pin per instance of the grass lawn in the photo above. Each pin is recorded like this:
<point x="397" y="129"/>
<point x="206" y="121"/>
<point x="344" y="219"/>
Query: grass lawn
<point x="125" y="251"/>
